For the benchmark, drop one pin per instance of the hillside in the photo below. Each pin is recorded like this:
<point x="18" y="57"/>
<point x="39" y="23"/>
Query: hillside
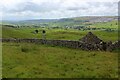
<point x="55" y="61"/>
<point x="76" y="20"/>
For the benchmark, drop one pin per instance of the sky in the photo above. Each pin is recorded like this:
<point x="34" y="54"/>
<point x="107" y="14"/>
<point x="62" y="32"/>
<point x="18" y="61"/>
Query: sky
<point x="55" y="9"/>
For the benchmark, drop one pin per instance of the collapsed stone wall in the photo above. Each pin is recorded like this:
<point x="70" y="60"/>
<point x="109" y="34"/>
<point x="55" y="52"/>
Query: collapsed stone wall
<point x="109" y="46"/>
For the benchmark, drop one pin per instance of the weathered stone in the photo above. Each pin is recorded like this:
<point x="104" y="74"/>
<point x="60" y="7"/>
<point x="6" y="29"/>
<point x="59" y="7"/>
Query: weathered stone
<point x="89" y="42"/>
<point x="109" y="46"/>
<point x="91" y="38"/>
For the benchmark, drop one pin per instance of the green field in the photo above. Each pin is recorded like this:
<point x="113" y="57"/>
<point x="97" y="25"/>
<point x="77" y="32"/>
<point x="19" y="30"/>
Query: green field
<point x="29" y="60"/>
<point x="23" y="60"/>
<point x="61" y="34"/>
<point x="112" y="24"/>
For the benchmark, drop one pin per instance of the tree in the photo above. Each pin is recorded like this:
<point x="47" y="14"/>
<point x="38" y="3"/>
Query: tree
<point x="43" y="34"/>
<point x="36" y="31"/>
<point x="43" y="31"/>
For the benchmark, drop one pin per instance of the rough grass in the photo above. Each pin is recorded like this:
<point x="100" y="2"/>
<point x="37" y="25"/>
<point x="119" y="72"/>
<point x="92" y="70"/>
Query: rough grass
<point x="0" y="60"/>
<point x="41" y="61"/>
<point x="61" y="34"/>
<point x="112" y="24"/>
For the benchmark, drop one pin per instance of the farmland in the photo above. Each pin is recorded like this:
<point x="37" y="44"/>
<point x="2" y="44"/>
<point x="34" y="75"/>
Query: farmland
<point x="69" y="34"/>
<point x="29" y="60"/>
<point x="25" y="60"/>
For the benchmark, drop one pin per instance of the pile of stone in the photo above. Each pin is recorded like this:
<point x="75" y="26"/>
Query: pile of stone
<point x="92" y="42"/>
<point x="91" y="38"/>
<point x="110" y="46"/>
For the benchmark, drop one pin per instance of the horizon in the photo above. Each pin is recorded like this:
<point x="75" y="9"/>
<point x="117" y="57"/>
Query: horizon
<point x="56" y="18"/>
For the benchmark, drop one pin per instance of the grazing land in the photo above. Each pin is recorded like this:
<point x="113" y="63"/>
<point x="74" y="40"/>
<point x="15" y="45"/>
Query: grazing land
<point x="61" y="34"/>
<point x="29" y="60"/>
<point x="25" y="60"/>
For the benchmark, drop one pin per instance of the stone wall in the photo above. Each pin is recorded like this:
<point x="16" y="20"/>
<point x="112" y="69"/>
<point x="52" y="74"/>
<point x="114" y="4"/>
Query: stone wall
<point x="109" y="46"/>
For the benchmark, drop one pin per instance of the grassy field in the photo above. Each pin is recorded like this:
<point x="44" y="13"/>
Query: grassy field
<point x="28" y="60"/>
<point x="61" y="34"/>
<point x="0" y="60"/>
<point x="23" y="60"/>
<point x="112" y="24"/>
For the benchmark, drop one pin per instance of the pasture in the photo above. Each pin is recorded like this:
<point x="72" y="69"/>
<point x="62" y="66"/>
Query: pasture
<point x="29" y="60"/>
<point x="23" y="60"/>
<point x="59" y="34"/>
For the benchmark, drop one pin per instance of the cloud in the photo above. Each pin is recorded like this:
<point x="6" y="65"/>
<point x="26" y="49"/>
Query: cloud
<point x="30" y="6"/>
<point x="35" y="9"/>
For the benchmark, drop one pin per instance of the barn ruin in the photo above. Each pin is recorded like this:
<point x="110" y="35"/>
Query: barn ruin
<point x="91" y="38"/>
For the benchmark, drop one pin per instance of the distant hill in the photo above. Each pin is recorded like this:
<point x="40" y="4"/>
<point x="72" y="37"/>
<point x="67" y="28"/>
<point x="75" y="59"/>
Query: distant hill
<point x="97" y="18"/>
<point x="39" y="21"/>
<point x="65" y="21"/>
<point x="79" y="19"/>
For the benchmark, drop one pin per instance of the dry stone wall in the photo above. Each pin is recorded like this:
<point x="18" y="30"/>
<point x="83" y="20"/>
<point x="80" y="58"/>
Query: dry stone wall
<point x="105" y="46"/>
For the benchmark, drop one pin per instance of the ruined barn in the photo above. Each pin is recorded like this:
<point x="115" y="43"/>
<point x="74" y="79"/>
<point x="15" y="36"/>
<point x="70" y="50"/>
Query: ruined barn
<point x="91" y="38"/>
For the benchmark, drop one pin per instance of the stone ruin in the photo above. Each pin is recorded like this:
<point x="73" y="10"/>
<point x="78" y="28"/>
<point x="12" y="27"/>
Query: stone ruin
<point x="91" y="38"/>
<point x="97" y="44"/>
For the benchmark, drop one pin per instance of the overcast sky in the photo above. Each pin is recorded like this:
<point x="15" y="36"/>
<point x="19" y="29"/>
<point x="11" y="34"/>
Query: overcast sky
<point x="52" y="9"/>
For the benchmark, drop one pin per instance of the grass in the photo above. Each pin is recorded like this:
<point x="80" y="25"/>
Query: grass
<point x="61" y="34"/>
<point x="23" y="60"/>
<point x="0" y="60"/>
<point x="28" y="60"/>
<point x="111" y="24"/>
<point x="69" y="34"/>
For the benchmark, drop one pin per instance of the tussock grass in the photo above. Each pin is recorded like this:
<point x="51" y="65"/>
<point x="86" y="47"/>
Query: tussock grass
<point x="42" y="61"/>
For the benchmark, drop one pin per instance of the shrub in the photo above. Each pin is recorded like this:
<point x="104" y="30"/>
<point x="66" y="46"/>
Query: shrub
<point x="23" y="49"/>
